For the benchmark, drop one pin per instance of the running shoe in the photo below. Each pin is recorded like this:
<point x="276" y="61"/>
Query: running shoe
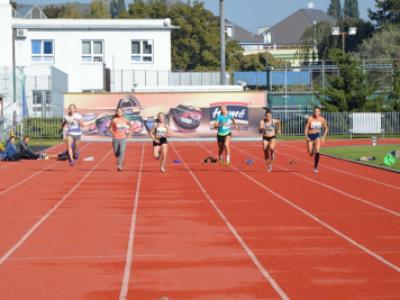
<point x="163" y="170"/>
<point x="221" y="162"/>
<point x="315" y="170"/>
<point x="72" y="163"/>
<point x="120" y="169"/>
<point x="269" y="169"/>
<point x="76" y="155"/>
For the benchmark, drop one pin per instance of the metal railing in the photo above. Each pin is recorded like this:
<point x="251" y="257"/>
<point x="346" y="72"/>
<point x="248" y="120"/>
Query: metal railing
<point x="34" y="127"/>
<point x="293" y="122"/>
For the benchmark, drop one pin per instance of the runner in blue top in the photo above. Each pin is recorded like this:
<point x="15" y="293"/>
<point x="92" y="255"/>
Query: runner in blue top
<point x="223" y="124"/>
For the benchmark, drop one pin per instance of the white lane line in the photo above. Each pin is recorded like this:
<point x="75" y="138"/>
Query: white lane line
<point x="340" y="171"/>
<point x="131" y="242"/>
<point x="246" y="248"/>
<point x="332" y="188"/>
<point x="49" y="213"/>
<point x="319" y="221"/>
<point x="32" y="176"/>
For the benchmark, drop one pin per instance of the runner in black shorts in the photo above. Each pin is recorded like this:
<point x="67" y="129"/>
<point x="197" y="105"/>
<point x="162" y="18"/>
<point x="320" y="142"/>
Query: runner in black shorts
<point x="312" y="132"/>
<point x="223" y="124"/>
<point x="159" y="134"/>
<point x="269" y="127"/>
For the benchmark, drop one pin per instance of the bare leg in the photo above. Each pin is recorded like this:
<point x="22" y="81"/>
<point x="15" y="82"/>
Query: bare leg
<point x="164" y="152"/>
<point x="228" y="149"/>
<point x="156" y="152"/>
<point x="270" y="151"/>
<point x="310" y="148"/>
<point x="265" y="149"/>
<point x="220" y="151"/>
<point x="76" y="149"/>
<point x="317" y="147"/>
<point x="70" y="142"/>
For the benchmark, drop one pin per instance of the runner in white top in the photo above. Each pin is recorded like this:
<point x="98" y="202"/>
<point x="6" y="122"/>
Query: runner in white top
<point x="159" y="134"/>
<point x="72" y="125"/>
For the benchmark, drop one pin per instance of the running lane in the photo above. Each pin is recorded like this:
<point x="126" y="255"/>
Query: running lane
<point x="25" y="203"/>
<point x="14" y="172"/>
<point x="374" y="227"/>
<point x="182" y="247"/>
<point x="308" y="260"/>
<point x="78" y="251"/>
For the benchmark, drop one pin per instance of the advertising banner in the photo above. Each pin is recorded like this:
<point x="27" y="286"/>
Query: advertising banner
<point x="190" y="115"/>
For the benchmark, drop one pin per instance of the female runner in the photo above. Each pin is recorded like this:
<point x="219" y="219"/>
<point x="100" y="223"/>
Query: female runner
<point x="269" y="127"/>
<point x="119" y="128"/>
<point x="224" y="135"/>
<point x="312" y="132"/>
<point x="72" y="124"/>
<point x="159" y="134"/>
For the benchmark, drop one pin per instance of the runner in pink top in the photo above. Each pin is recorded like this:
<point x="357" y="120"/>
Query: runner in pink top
<point x="119" y="128"/>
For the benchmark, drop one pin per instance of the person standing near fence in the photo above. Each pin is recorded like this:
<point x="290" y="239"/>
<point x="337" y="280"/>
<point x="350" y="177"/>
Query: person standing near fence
<point x="269" y="127"/>
<point x="72" y="124"/>
<point x="314" y="139"/>
<point x="119" y="128"/>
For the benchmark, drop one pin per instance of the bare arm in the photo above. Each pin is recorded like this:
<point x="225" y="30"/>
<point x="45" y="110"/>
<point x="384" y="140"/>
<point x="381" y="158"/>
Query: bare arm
<point x="261" y="126"/>
<point x="216" y="125"/>
<point x="326" y="128"/>
<point x="306" y="129"/>
<point x="234" y="123"/>
<point x="279" y="126"/>
<point x="152" y="134"/>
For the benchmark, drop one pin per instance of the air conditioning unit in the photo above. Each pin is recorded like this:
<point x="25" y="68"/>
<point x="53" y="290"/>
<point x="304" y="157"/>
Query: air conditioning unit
<point x="21" y="33"/>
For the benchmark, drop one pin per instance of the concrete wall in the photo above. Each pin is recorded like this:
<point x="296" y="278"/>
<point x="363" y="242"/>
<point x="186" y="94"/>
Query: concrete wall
<point x="117" y="53"/>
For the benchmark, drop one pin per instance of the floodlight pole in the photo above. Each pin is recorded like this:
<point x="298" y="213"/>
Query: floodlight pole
<point x="222" y="39"/>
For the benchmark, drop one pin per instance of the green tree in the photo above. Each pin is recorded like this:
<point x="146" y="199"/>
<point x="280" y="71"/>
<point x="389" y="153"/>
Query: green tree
<point x="114" y="9"/>
<point x="53" y="11"/>
<point x="349" y="90"/>
<point x="325" y="41"/>
<point x="387" y="12"/>
<point x="138" y="9"/>
<point x="99" y="9"/>
<point x="335" y="9"/>
<point x="71" y="11"/>
<point x="395" y="94"/>
<point x="121" y="7"/>
<point x="382" y="46"/>
<point x="350" y="9"/>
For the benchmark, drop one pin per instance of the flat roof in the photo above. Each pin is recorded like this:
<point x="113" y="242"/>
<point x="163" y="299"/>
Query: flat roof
<point x="161" y="24"/>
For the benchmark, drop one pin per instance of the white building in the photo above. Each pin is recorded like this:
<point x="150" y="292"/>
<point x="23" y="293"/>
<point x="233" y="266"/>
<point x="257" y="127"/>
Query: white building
<point x="40" y="59"/>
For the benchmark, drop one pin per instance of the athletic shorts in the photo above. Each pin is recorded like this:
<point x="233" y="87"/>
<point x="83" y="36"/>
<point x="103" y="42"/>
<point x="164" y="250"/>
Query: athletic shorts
<point x="314" y="136"/>
<point x="75" y="137"/>
<point x="269" y="138"/>
<point x="221" y="138"/>
<point x="162" y="141"/>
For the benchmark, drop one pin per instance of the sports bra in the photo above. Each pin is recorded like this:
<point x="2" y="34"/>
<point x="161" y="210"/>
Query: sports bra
<point x="269" y="127"/>
<point x="315" y="124"/>
<point x="161" y="131"/>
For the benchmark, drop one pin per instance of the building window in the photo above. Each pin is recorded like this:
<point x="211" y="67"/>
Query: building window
<point x="41" y="105"/>
<point x="142" y="51"/>
<point x="43" y="51"/>
<point x="92" y="51"/>
<point x="229" y="31"/>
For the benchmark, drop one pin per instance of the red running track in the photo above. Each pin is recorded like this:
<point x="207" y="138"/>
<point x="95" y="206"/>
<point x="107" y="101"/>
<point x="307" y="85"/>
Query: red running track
<point x="198" y="231"/>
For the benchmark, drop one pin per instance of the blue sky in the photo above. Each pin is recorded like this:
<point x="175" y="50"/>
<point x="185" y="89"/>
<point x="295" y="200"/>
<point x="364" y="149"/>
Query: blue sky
<point x="251" y="14"/>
